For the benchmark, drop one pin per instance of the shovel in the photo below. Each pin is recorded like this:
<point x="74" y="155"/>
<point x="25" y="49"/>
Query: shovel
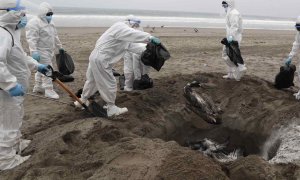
<point x="95" y="109"/>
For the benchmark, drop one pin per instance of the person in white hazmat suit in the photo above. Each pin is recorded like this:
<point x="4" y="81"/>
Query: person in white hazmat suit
<point x="133" y="67"/>
<point x="15" y="68"/>
<point x="43" y="40"/>
<point x="234" y="31"/>
<point x="109" y="49"/>
<point x="295" y="50"/>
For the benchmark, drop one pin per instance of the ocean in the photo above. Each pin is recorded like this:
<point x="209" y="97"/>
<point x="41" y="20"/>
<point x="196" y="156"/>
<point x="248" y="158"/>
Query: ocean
<point x="95" y="17"/>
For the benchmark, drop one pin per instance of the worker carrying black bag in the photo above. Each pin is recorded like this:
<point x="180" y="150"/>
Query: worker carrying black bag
<point x="155" y="55"/>
<point x="65" y="66"/>
<point x="233" y="51"/>
<point x="285" y="78"/>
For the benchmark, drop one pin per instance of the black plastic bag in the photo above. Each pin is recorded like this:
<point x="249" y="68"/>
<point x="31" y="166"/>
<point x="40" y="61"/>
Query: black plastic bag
<point x="155" y="56"/>
<point x="285" y="78"/>
<point x="115" y="73"/>
<point x="79" y="92"/>
<point x="65" y="63"/>
<point x="122" y="81"/>
<point x="233" y="51"/>
<point x="144" y="83"/>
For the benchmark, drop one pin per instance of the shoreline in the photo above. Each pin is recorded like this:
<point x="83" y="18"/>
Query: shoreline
<point x="179" y="30"/>
<point x="103" y="20"/>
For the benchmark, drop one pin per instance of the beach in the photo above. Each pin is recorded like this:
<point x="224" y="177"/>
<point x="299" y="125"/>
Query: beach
<point x="149" y="141"/>
<point x="263" y="50"/>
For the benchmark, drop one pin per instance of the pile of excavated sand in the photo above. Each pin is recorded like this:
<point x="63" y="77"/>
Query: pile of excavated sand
<point x="148" y="142"/>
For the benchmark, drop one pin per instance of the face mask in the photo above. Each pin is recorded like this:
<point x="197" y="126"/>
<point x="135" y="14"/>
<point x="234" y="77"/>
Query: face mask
<point x="49" y="18"/>
<point x="22" y="23"/>
<point x="297" y="26"/>
<point x="226" y="9"/>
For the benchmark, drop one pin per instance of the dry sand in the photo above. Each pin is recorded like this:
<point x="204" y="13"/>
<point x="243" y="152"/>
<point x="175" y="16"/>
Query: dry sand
<point x="147" y="143"/>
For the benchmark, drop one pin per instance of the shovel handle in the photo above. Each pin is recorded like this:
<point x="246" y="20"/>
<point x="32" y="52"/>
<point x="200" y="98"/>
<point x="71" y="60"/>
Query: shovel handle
<point x="70" y="92"/>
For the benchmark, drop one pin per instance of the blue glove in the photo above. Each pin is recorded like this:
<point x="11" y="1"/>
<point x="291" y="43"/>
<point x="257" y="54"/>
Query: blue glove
<point x="43" y="68"/>
<point x="36" y="55"/>
<point x="61" y="50"/>
<point x="17" y="90"/>
<point x="230" y="39"/>
<point x="288" y="61"/>
<point x="155" y="40"/>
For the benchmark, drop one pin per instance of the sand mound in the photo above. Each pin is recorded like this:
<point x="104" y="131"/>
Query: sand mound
<point x="147" y="143"/>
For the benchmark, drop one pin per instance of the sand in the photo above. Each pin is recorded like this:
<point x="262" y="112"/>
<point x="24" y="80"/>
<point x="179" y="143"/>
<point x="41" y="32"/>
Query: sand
<point x="149" y="142"/>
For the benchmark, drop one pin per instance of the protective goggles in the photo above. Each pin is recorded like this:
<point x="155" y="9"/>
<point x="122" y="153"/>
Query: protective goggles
<point x="224" y="4"/>
<point x="18" y="7"/>
<point x="297" y="26"/>
<point x="49" y="14"/>
<point x="21" y="13"/>
<point x="134" y="21"/>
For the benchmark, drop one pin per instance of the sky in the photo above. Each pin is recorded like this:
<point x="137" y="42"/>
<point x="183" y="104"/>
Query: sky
<point x="272" y="8"/>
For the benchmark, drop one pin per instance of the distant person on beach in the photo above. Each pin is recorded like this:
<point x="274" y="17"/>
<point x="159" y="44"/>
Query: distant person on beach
<point x="43" y="40"/>
<point x="133" y="66"/>
<point x="233" y="33"/>
<point x="295" y="50"/>
<point x="15" y="67"/>
<point x="109" y="49"/>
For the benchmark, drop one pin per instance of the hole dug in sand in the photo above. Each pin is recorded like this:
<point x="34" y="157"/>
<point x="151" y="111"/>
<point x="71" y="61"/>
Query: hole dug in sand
<point x="251" y="110"/>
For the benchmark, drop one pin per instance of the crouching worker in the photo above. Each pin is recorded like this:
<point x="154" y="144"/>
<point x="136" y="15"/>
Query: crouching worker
<point x="109" y="49"/>
<point x="135" y="72"/>
<point x="134" y="69"/>
<point x="295" y="50"/>
<point x="15" y="69"/>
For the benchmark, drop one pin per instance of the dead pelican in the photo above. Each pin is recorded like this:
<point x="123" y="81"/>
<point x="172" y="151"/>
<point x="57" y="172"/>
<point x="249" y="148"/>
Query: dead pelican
<point x="202" y="104"/>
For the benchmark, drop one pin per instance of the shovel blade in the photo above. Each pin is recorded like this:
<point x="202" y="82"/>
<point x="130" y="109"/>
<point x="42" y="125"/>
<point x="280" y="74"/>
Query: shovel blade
<point x="97" y="110"/>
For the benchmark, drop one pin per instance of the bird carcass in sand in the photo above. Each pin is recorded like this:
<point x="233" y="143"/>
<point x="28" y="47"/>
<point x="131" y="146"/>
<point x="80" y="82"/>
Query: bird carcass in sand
<point x="201" y="104"/>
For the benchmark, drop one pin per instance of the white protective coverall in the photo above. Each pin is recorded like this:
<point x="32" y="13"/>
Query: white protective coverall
<point x="42" y="38"/>
<point x="296" y="44"/>
<point x="293" y="53"/>
<point x="15" y="68"/>
<point x="133" y="66"/>
<point x="234" y="28"/>
<point x="109" y="49"/>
